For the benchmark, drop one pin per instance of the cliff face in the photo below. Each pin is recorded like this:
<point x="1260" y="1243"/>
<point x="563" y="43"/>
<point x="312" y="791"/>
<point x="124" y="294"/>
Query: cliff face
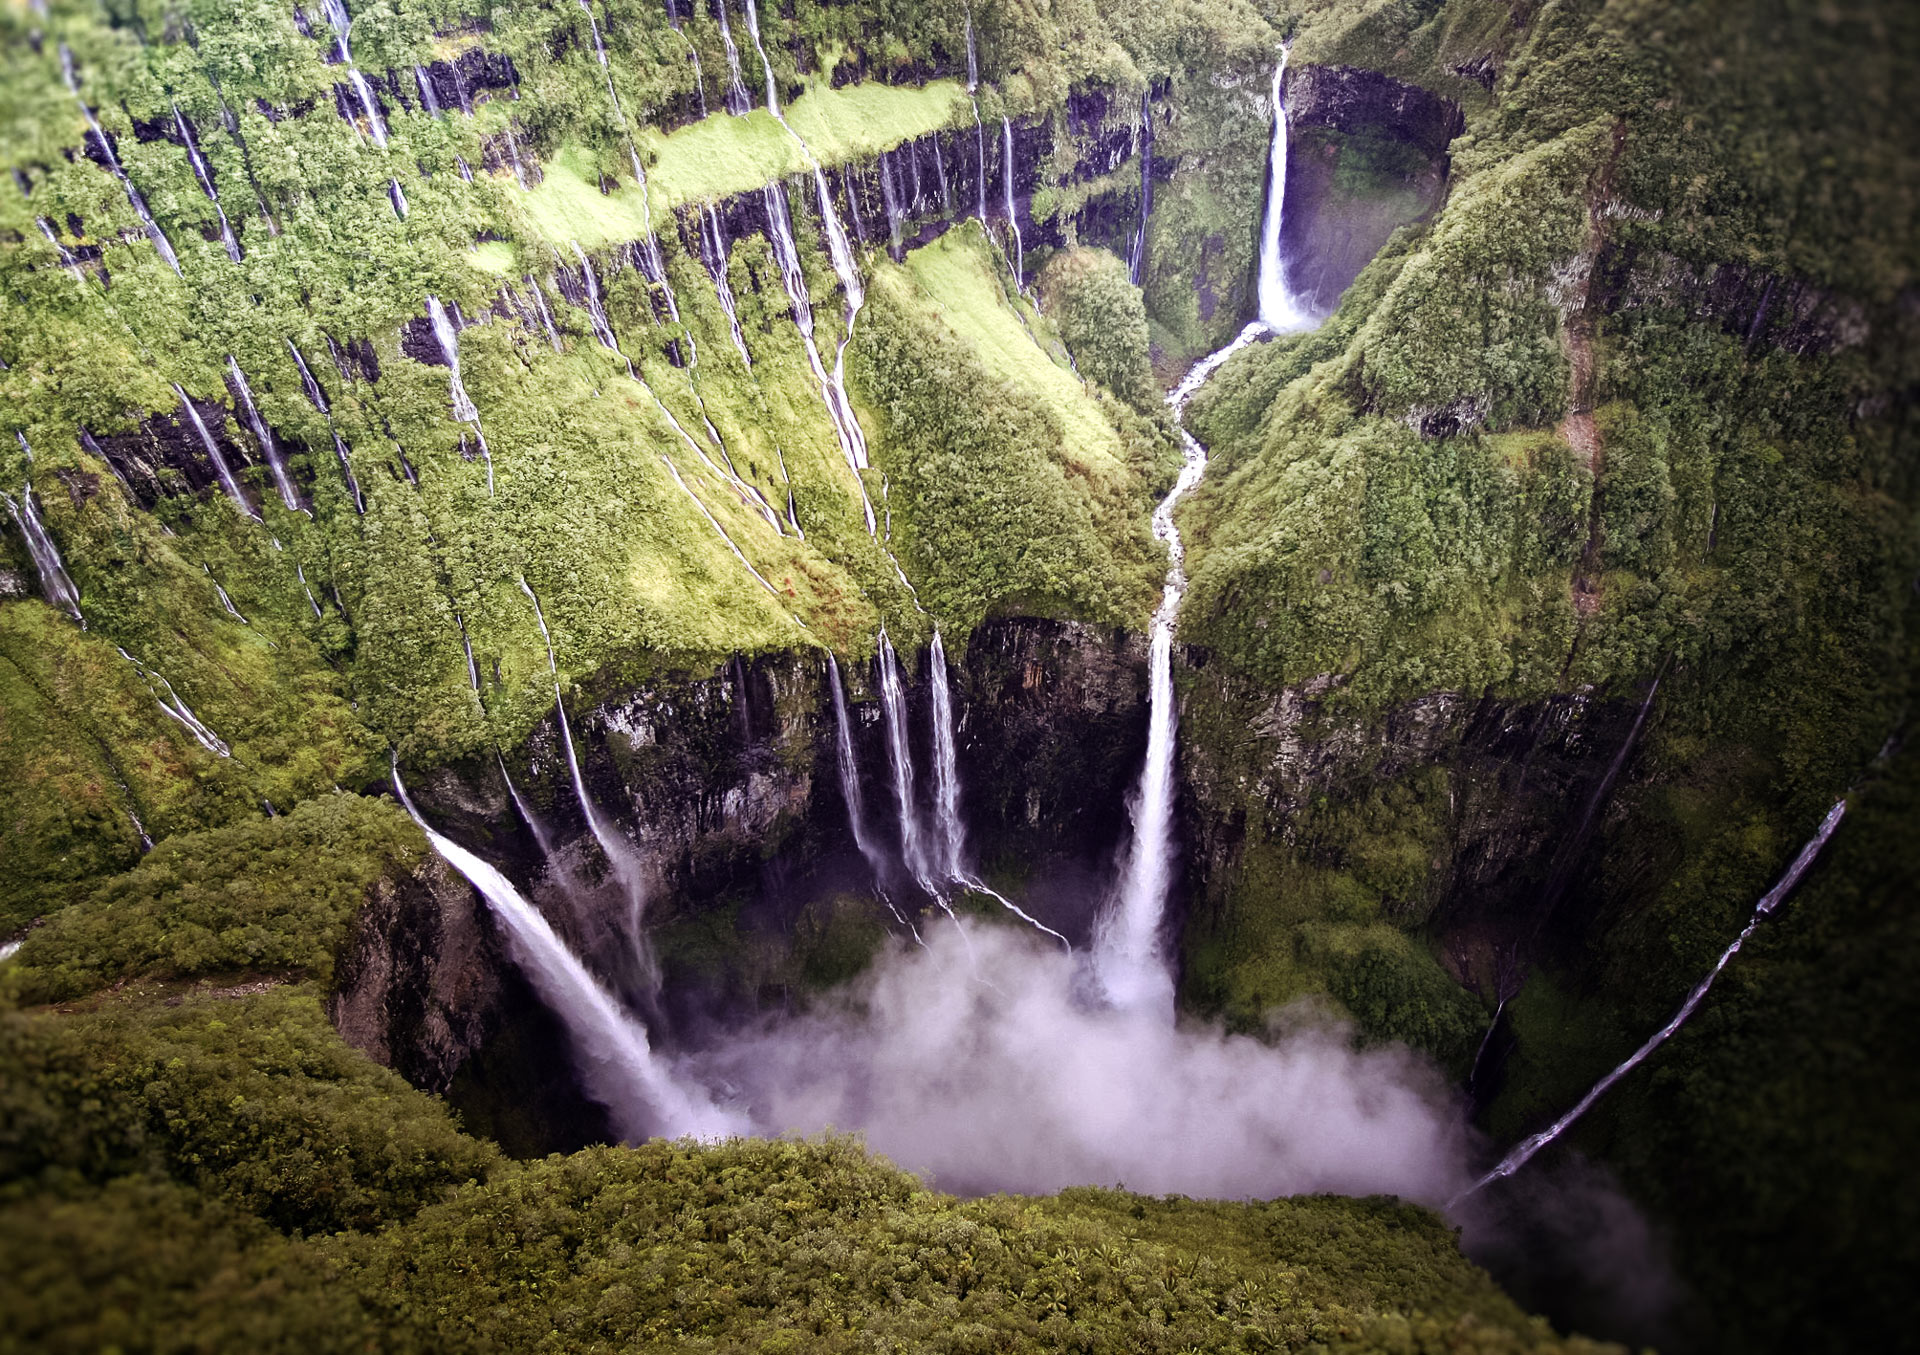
<point x="1367" y="154"/>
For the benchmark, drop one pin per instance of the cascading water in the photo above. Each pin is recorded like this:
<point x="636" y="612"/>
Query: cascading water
<point x="621" y="861"/>
<point x="979" y="131"/>
<point x="429" y="101"/>
<point x="1136" y="264"/>
<point x="67" y="260"/>
<point x="466" y="648"/>
<point x="714" y="249"/>
<point x="1013" y="221"/>
<point x="940" y="173"/>
<point x="737" y="101"/>
<point x="342" y="25"/>
<point x="845" y="426"/>
<point x="850" y="778"/>
<point x="204" y="175"/>
<point x="318" y="398"/>
<point x="264" y="436"/>
<point x="893" y="705"/>
<point x="398" y="197"/>
<point x="714" y="522"/>
<point x="753" y="30"/>
<point x="220" y="467"/>
<point x="1527" y="1148"/>
<point x="616" y="1062"/>
<point x="448" y="337"/>
<point x="891" y="194"/>
<point x="950" y="833"/>
<point x="949" y="828"/>
<point x="177" y="709"/>
<point x="226" y="602"/>
<point x="134" y="200"/>
<point x="55" y="584"/>
<point x="544" y="311"/>
<point x="1280" y="310"/>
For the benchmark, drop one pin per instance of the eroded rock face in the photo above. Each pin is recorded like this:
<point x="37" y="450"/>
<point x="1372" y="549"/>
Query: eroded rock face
<point x="1366" y="155"/>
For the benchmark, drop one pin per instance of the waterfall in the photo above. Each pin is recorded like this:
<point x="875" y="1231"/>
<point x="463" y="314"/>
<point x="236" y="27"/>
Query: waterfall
<point x="949" y="828"/>
<point x="621" y="861"/>
<point x="67" y="261"/>
<point x="134" y="200"/>
<point x="204" y="175"/>
<point x="300" y="571"/>
<point x="315" y="395"/>
<point x="397" y="196"/>
<point x="714" y="522"/>
<point x="428" y="100"/>
<point x="534" y="824"/>
<point x="220" y="467"/>
<point x="737" y="101"/>
<point x="342" y="25"/>
<point x="1013" y="223"/>
<point x="1136" y="266"/>
<point x="1127" y="948"/>
<point x="449" y="340"/>
<point x="264" y="436"/>
<point x="850" y="778"/>
<point x="713" y="248"/>
<point x="616" y="1063"/>
<point x="177" y="709"/>
<point x="845" y="426"/>
<point x="940" y="172"/>
<point x="225" y="601"/>
<point x="1524" y="1151"/>
<point x="544" y="311"/>
<point x="318" y="398"/>
<point x="55" y="584"/>
<point x="448" y="337"/>
<point x="979" y="132"/>
<point x="466" y="647"/>
<point x="753" y="30"/>
<point x="1280" y="310"/>
<point x="893" y="704"/>
<point x="891" y="193"/>
<point x="602" y="329"/>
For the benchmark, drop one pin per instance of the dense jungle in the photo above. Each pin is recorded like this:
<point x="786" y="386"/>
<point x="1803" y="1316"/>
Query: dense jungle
<point x="876" y="675"/>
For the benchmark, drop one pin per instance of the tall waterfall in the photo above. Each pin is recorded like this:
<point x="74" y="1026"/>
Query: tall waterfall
<point x="134" y="200"/>
<point x="753" y="30"/>
<point x="448" y="338"/>
<point x="318" y="398"/>
<point x="714" y="247"/>
<point x="55" y="585"/>
<point x="616" y="1062"/>
<point x="890" y="192"/>
<point x="620" y="858"/>
<point x="342" y="25"/>
<point x="1280" y="310"/>
<point x="893" y="705"/>
<point x="1524" y="1151"/>
<point x="950" y="833"/>
<point x="1013" y="222"/>
<point x="204" y="175"/>
<point x="979" y="132"/>
<point x="264" y="436"/>
<point x="429" y="101"/>
<point x="846" y="427"/>
<point x="1136" y="264"/>
<point x="850" y="778"/>
<point x="738" y="103"/>
<point x="220" y="466"/>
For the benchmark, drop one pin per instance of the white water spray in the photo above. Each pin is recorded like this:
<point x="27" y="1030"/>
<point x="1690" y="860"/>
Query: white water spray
<point x="616" y="1062"/>
<point x="1280" y="310"/>
<point x="204" y="176"/>
<point x="134" y="199"/>
<point x="55" y="584"/>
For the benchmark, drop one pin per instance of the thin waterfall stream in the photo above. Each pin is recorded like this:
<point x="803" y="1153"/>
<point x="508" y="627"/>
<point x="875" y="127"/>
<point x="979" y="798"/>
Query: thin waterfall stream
<point x="616" y="1060"/>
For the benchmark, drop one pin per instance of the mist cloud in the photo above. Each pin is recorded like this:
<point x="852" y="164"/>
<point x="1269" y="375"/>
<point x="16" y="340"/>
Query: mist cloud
<point x="975" y="1061"/>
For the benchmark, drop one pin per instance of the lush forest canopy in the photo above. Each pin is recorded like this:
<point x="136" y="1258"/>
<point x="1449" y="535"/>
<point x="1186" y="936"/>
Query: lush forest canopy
<point x="1627" y="416"/>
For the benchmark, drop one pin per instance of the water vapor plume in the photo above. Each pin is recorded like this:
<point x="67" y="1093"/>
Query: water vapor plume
<point x="995" y="1071"/>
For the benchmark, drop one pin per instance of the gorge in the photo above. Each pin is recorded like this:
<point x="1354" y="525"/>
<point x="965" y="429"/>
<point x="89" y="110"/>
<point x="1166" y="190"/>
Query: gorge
<point x="881" y="675"/>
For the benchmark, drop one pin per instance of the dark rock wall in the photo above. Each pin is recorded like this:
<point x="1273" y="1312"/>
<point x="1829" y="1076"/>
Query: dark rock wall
<point x="1366" y="155"/>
